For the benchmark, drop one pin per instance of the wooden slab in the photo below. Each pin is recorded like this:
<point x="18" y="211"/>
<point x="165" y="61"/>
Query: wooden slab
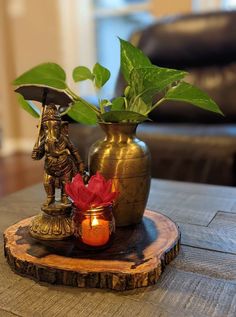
<point x="136" y="258"/>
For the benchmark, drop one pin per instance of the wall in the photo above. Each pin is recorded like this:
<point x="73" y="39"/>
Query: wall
<point x="203" y="5"/>
<point x="29" y="35"/>
<point x="32" y="32"/>
<point x="168" y="7"/>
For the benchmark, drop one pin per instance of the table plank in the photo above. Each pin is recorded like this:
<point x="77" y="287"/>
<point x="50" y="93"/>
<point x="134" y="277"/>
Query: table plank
<point x="224" y="221"/>
<point x="186" y="291"/>
<point x="189" y="203"/>
<point x="193" y="188"/>
<point x="208" y="238"/>
<point x="184" y="215"/>
<point x="210" y="263"/>
<point x="201" y="282"/>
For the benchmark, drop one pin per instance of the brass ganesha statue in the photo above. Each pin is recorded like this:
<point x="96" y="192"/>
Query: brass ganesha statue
<point x="62" y="162"/>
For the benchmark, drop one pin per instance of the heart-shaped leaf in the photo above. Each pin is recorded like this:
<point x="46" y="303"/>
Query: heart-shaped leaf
<point x="105" y="102"/>
<point x="131" y="57"/>
<point x="80" y="112"/>
<point x="123" y="116"/>
<point x="191" y="94"/>
<point x="148" y="81"/>
<point x="81" y="73"/>
<point x="140" y="106"/>
<point x="118" y="104"/>
<point x="101" y="75"/>
<point x="47" y="74"/>
<point x="105" y="105"/>
<point x="28" y="106"/>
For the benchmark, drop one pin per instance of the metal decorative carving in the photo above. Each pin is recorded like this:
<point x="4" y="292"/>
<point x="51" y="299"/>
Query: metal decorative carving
<point x="62" y="162"/>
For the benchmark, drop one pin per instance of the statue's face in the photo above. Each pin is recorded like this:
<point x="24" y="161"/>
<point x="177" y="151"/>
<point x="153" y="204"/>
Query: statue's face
<point x="52" y="130"/>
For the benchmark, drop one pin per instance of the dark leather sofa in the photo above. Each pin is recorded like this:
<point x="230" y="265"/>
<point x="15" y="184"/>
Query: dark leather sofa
<point x="187" y="143"/>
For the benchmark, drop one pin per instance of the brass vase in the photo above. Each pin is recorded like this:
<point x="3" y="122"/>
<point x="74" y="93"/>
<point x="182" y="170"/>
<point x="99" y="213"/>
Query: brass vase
<point x="125" y="159"/>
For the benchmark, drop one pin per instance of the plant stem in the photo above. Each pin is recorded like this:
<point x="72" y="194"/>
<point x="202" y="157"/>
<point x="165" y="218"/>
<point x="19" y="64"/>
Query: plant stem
<point x="126" y="103"/>
<point x="77" y="98"/>
<point x="101" y="106"/>
<point x="73" y="95"/>
<point x="65" y="112"/>
<point x="158" y="103"/>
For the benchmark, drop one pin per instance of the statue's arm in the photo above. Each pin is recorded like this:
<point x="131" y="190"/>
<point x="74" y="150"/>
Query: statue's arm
<point x="38" y="150"/>
<point x="75" y="153"/>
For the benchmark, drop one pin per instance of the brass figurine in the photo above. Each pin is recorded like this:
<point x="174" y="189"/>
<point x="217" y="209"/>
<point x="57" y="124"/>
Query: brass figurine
<point x="62" y="162"/>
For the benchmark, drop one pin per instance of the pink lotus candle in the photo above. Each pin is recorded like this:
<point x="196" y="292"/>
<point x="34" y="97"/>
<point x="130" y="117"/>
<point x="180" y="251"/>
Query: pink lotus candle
<point x="93" y="219"/>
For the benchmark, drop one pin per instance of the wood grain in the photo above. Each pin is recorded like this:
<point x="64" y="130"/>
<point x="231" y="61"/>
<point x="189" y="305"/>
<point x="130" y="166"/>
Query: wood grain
<point x="199" y="282"/>
<point x="136" y="258"/>
<point x="209" y="238"/>
<point x="213" y="264"/>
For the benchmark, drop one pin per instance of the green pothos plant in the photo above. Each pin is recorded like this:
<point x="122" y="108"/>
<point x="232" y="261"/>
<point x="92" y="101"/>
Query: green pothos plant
<point x="144" y="82"/>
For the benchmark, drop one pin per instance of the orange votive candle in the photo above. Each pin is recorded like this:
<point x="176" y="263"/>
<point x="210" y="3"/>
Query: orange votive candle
<point x="95" y="231"/>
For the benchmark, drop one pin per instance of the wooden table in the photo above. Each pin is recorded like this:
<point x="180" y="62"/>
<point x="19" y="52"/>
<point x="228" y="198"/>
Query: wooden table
<point x="200" y="282"/>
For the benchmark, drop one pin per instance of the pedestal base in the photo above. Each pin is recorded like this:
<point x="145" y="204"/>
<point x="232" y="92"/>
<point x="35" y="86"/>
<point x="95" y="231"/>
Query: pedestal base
<point x="46" y="227"/>
<point x="55" y="223"/>
<point x="136" y="258"/>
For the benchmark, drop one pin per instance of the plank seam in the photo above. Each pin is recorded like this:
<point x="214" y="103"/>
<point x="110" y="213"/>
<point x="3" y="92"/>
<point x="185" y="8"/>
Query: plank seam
<point x="213" y="250"/>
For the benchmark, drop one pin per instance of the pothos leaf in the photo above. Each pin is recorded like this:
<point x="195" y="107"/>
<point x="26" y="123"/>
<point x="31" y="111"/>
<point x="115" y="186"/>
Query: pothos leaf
<point x="81" y="73"/>
<point x="80" y="112"/>
<point x="105" y="102"/>
<point x="105" y="105"/>
<point x="47" y="74"/>
<point x="123" y="116"/>
<point x="191" y="94"/>
<point x="101" y="75"/>
<point x="118" y="104"/>
<point x="131" y="57"/>
<point x="140" y="106"/>
<point x="28" y="106"/>
<point x="148" y="81"/>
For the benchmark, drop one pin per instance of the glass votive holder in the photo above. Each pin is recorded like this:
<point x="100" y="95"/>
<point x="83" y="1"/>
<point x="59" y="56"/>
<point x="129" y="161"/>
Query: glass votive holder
<point x="94" y="228"/>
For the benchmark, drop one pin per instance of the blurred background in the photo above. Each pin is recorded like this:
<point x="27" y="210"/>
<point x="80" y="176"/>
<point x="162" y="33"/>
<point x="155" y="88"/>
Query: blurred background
<point x="71" y="33"/>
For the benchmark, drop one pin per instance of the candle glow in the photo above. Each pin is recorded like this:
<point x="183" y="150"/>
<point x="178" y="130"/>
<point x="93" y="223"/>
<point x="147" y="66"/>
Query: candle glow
<point x="93" y="212"/>
<point x="95" y="232"/>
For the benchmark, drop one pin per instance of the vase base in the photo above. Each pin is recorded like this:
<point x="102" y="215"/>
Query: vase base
<point x="129" y="214"/>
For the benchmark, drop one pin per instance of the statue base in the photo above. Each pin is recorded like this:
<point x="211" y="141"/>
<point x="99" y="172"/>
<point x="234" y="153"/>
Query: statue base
<point x="55" y="223"/>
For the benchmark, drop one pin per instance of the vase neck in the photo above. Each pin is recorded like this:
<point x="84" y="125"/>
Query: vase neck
<point x="119" y="132"/>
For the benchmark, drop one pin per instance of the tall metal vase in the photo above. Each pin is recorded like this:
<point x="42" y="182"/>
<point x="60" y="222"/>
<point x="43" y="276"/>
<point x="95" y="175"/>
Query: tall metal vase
<point x="125" y="159"/>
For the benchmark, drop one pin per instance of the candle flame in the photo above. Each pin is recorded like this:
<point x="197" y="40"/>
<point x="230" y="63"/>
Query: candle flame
<point x="94" y="221"/>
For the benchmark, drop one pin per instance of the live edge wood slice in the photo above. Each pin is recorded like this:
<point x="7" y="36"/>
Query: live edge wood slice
<point x="136" y="258"/>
